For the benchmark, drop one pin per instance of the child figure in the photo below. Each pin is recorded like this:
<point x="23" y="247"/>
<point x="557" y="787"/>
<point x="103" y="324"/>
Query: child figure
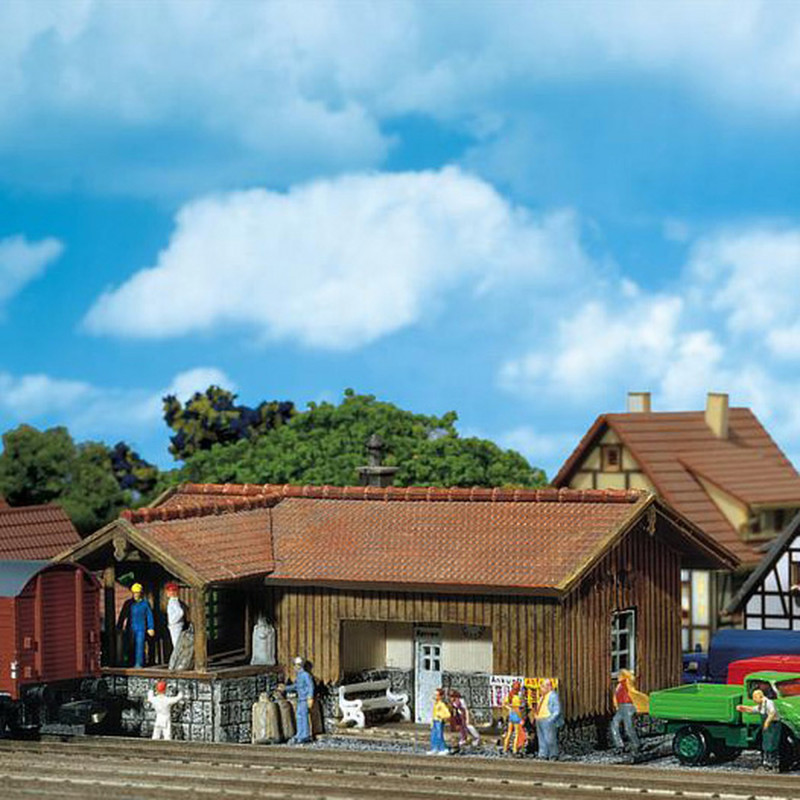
<point x="460" y="720"/>
<point x="514" y="706"/>
<point x="441" y="714"/>
<point x="163" y="706"/>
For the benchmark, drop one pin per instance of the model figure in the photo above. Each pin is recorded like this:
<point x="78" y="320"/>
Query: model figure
<point x="136" y="620"/>
<point x="548" y="720"/>
<point x="163" y="706"/>
<point x="304" y="687"/>
<point x="441" y="715"/>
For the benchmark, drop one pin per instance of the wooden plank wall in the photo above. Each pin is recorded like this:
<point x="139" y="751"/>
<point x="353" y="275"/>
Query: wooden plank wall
<point x="532" y="636"/>
<point x="525" y="631"/>
<point x="652" y="587"/>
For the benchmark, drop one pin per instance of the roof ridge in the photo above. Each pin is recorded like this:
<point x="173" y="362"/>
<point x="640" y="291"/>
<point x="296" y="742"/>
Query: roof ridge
<point x="34" y="507"/>
<point x="411" y="493"/>
<point x="217" y="506"/>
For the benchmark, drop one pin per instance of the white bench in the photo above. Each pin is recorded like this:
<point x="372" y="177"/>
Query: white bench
<point x="376" y="696"/>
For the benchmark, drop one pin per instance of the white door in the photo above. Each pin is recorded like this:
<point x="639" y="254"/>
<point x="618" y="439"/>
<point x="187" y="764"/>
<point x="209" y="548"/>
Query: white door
<point x="428" y="671"/>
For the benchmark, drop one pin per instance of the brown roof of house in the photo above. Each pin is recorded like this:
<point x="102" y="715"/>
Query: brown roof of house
<point x="218" y="545"/>
<point x="492" y="539"/>
<point x="35" y="532"/>
<point x="677" y="450"/>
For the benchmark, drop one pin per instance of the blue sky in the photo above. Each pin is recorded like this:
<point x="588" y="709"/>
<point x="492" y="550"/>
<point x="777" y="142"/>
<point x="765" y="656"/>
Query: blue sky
<point x="516" y="210"/>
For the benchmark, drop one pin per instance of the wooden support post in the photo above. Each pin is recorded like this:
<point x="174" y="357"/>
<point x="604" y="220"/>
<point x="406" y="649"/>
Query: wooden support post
<point x="248" y="626"/>
<point x="199" y="622"/>
<point x="109" y="617"/>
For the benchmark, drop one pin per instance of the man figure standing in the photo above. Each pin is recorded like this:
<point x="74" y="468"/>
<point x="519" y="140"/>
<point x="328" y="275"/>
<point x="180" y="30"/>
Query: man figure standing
<point x="625" y="705"/>
<point x="304" y="687"/>
<point x="163" y="704"/>
<point x="770" y="731"/>
<point x="136" y="618"/>
<point x="548" y="721"/>
<point x="176" y="614"/>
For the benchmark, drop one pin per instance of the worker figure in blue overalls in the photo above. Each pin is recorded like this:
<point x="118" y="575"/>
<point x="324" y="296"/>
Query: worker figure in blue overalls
<point x="137" y="618"/>
<point x="304" y="687"/>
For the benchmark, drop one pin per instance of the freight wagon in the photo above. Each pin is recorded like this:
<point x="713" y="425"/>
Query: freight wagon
<point x="49" y="646"/>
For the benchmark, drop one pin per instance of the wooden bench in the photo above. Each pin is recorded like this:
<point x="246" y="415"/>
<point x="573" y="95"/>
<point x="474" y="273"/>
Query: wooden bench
<point x="375" y="696"/>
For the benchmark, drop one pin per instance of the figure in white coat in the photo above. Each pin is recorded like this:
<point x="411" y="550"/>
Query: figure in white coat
<point x="163" y="706"/>
<point x="176" y="613"/>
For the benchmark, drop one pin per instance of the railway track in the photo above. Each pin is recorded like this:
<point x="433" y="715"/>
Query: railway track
<point x="137" y="769"/>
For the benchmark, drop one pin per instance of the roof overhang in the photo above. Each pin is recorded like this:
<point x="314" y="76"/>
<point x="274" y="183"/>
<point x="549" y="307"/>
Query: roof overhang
<point x="121" y="535"/>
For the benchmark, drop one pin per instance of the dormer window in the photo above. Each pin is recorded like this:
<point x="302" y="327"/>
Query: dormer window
<point x="611" y="455"/>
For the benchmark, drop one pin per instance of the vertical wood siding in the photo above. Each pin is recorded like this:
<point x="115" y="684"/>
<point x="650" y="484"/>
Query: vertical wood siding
<point x="532" y="636"/>
<point x="652" y="587"/>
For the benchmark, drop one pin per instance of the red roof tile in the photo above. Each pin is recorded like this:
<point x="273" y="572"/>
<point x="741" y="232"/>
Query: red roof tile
<point x="490" y="539"/>
<point x="499" y="544"/>
<point x="218" y="546"/>
<point x="676" y="449"/>
<point x="35" y="532"/>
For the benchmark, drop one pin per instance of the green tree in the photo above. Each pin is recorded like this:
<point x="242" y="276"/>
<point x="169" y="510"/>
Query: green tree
<point x="131" y="471"/>
<point x="212" y="417"/>
<point x="326" y="444"/>
<point x="47" y="466"/>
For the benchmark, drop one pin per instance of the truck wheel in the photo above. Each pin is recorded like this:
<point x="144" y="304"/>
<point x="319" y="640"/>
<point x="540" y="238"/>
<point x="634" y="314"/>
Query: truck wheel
<point x="691" y="746"/>
<point x="724" y="752"/>
<point x="789" y="751"/>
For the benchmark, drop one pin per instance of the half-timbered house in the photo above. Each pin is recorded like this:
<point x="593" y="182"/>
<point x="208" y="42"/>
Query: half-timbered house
<point x="770" y="599"/>
<point x="718" y="467"/>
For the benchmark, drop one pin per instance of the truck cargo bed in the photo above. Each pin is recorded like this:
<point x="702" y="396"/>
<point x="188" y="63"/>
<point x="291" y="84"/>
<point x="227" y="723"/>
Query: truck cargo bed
<point x="699" y="702"/>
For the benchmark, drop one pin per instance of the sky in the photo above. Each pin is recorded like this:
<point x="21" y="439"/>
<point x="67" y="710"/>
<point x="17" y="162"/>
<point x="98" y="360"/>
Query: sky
<point x="517" y="210"/>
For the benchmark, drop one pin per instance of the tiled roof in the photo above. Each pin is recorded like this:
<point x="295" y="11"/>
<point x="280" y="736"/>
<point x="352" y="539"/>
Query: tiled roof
<point x="499" y="545"/>
<point x="35" y="532"/>
<point x="675" y="450"/>
<point x="489" y="539"/>
<point x="218" y="545"/>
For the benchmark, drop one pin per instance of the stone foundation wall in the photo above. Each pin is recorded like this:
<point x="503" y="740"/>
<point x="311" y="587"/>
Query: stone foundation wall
<point x="212" y="710"/>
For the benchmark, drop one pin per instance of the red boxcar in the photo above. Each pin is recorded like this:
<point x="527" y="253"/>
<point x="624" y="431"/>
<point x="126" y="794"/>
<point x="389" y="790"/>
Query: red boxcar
<point x="738" y="670"/>
<point x="49" y="625"/>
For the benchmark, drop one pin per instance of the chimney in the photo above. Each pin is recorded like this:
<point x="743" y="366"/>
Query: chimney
<point x="375" y="474"/>
<point x="638" y="402"/>
<point x="717" y="414"/>
<point x="3" y="503"/>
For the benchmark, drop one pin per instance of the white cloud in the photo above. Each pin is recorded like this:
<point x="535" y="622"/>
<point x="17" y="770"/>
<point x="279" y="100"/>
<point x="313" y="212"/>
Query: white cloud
<point x="597" y="342"/>
<point x="276" y="91"/>
<point x="21" y="261"/>
<point x="339" y="263"/>
<point x="752" y="276"/>
<point x="729" y="324"/>
<point x="96" y="411"/>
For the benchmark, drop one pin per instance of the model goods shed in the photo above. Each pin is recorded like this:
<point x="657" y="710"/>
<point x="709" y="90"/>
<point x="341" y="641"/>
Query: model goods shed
<point x="49" y="624"/>
<point x="436" y="586"/>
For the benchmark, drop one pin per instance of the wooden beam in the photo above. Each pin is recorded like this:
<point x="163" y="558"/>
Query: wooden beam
<point x="199" y="622"/>
<point x="110" y="615"/>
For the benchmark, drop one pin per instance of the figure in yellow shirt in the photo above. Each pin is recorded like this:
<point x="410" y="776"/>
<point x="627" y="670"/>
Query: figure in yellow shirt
<point x="441" y="715"/>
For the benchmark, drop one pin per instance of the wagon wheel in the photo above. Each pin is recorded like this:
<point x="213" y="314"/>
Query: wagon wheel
<point x="691" y="745"/>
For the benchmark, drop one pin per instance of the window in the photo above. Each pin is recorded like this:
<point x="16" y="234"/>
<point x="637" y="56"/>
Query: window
<point x="611" y="458"/>
<point x="623" y="641"/>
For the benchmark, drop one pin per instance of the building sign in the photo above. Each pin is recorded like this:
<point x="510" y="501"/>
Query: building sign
<point x="500" y="686"/>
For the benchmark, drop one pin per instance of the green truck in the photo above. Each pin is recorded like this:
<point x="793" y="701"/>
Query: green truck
<point x="705" y="723"/>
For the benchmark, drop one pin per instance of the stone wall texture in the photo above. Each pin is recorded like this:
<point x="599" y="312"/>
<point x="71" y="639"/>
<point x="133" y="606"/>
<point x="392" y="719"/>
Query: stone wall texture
<point x="218" y="710"/>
